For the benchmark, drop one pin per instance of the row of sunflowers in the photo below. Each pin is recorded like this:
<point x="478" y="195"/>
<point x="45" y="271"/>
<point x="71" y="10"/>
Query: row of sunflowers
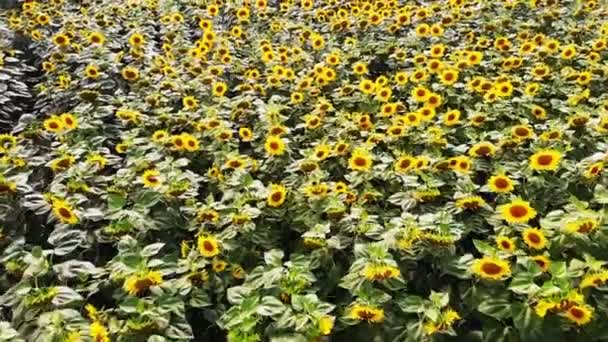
<point x="310" y="170"/>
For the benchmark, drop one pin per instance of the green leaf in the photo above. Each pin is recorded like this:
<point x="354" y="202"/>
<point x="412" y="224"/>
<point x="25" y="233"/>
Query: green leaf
<point x="148" y="198"/>
<point x="440" y="299"/>
<point x="499" y="308"/>
<point x="526" y="321"/>
<point x="274" y="257"/>
<point x="558" y="269"/>
<point x="116" y="201"/>
<point x="484" y="248"/>
<point x="67" y="240"/>
<point x="152" y="249"/>
<point x="412" y="304"/>
<point x="270" y="306"/>
<point x="523" y="283"/>
<point x="65" y="296"/>
<point x="289" y="338"/>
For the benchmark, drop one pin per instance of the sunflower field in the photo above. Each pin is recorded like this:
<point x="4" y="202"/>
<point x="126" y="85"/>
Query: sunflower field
<point x="303" y="170"/>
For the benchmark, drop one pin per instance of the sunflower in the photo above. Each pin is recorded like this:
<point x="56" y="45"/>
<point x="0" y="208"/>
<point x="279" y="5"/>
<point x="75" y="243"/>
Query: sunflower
<point x="461" y="164"/>
<point x="190" y="103"/>
<point x="62" y="163"/>
<point x="593" y="170"/>
<point x="405" y="164"/>
<point x="69" y="121"/>
<point x="421" y="94"/>
<point x="99" y="332"/>
<point x="322" y="151"/>
<point x="137" y="40"/>
<point x="532" y="89"/>
<point x="277" y="195"/>
<point x="383" y="94"/>
<point x="130" y="73"/>
<point x="92" y="71"/>
<point x="313" y="121"/>
<point x="96" y="38"/>
<point x="401" y="78"/>
<point x="542" y="261"/>
<point x="522" y="132"/>
<point x="208" y="246"/>
<point x="582" y="226"/>
<point x="367" y="86"/>
<point x="448" y="76"/>
<point x="500" y="184"/>
<point x="491" y="268"/>
<point x="140" y="282"/>
<point x="191" y="143"/>
<point x="470" y="203"/>
<point x="218" y="89"/>
<point x="61" y="40"/>
<point x="64" y="212"/>
<point x="360" y="160"/>
<point x="53" y="124"/>
<point x="218" y="265"/>
<point x="274" y="145"/>
<point x="593" y="279"/>
<point x="246" y="134"/>
<point x="325" y="324"/>
<point x="534" y="238"/>
<point x="568" y="52"/>
<point x="579" y="314"/>
<point x="7" y="142"/>
<point x="380" y="272"/>
<point x="6" y="186"/>
<point x="539" y="112"/>
<point x="366" y="313"/>
<point x="160" y="136"/>
<point x="545" y="160"/>
<point x="505" y="243"/>
<point x="518" y="211"/>
<point x="451" y="118"/>
<point x="151" y="178"/>
<point x="482" y="149"/>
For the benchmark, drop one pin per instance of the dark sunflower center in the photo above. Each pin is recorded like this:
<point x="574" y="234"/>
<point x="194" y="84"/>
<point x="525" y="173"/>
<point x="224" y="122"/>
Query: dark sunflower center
<point x="577" y="313"/>
<point x="534" y="238"/>
<point x="359" y="161"/>
<point x="501" y="183"/>
<point x="276" y="196"/>
<point x="545" y="159"/>
<point x="65" y="213"/>
<point x="518" y="211"/>
<point x="491" y="268"/>
<point x="208" y="246"/>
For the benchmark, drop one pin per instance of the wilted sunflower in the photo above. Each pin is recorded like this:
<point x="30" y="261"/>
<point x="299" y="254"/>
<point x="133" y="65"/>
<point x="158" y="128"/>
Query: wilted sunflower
<point x="366" y="313"/>
<point x="579" y="314"/>
<point x="582" y="226"/>
<point x="141" y="281"/>
<point x="380" y="272"/>
<point x="542" y="261"/>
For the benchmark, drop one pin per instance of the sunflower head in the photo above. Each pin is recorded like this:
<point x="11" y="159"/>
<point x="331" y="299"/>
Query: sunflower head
<point x="491" y="268"/>
<point x="208" y="246"/>
<point x="517" y="211"/>
<point x="534" y="238"/>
